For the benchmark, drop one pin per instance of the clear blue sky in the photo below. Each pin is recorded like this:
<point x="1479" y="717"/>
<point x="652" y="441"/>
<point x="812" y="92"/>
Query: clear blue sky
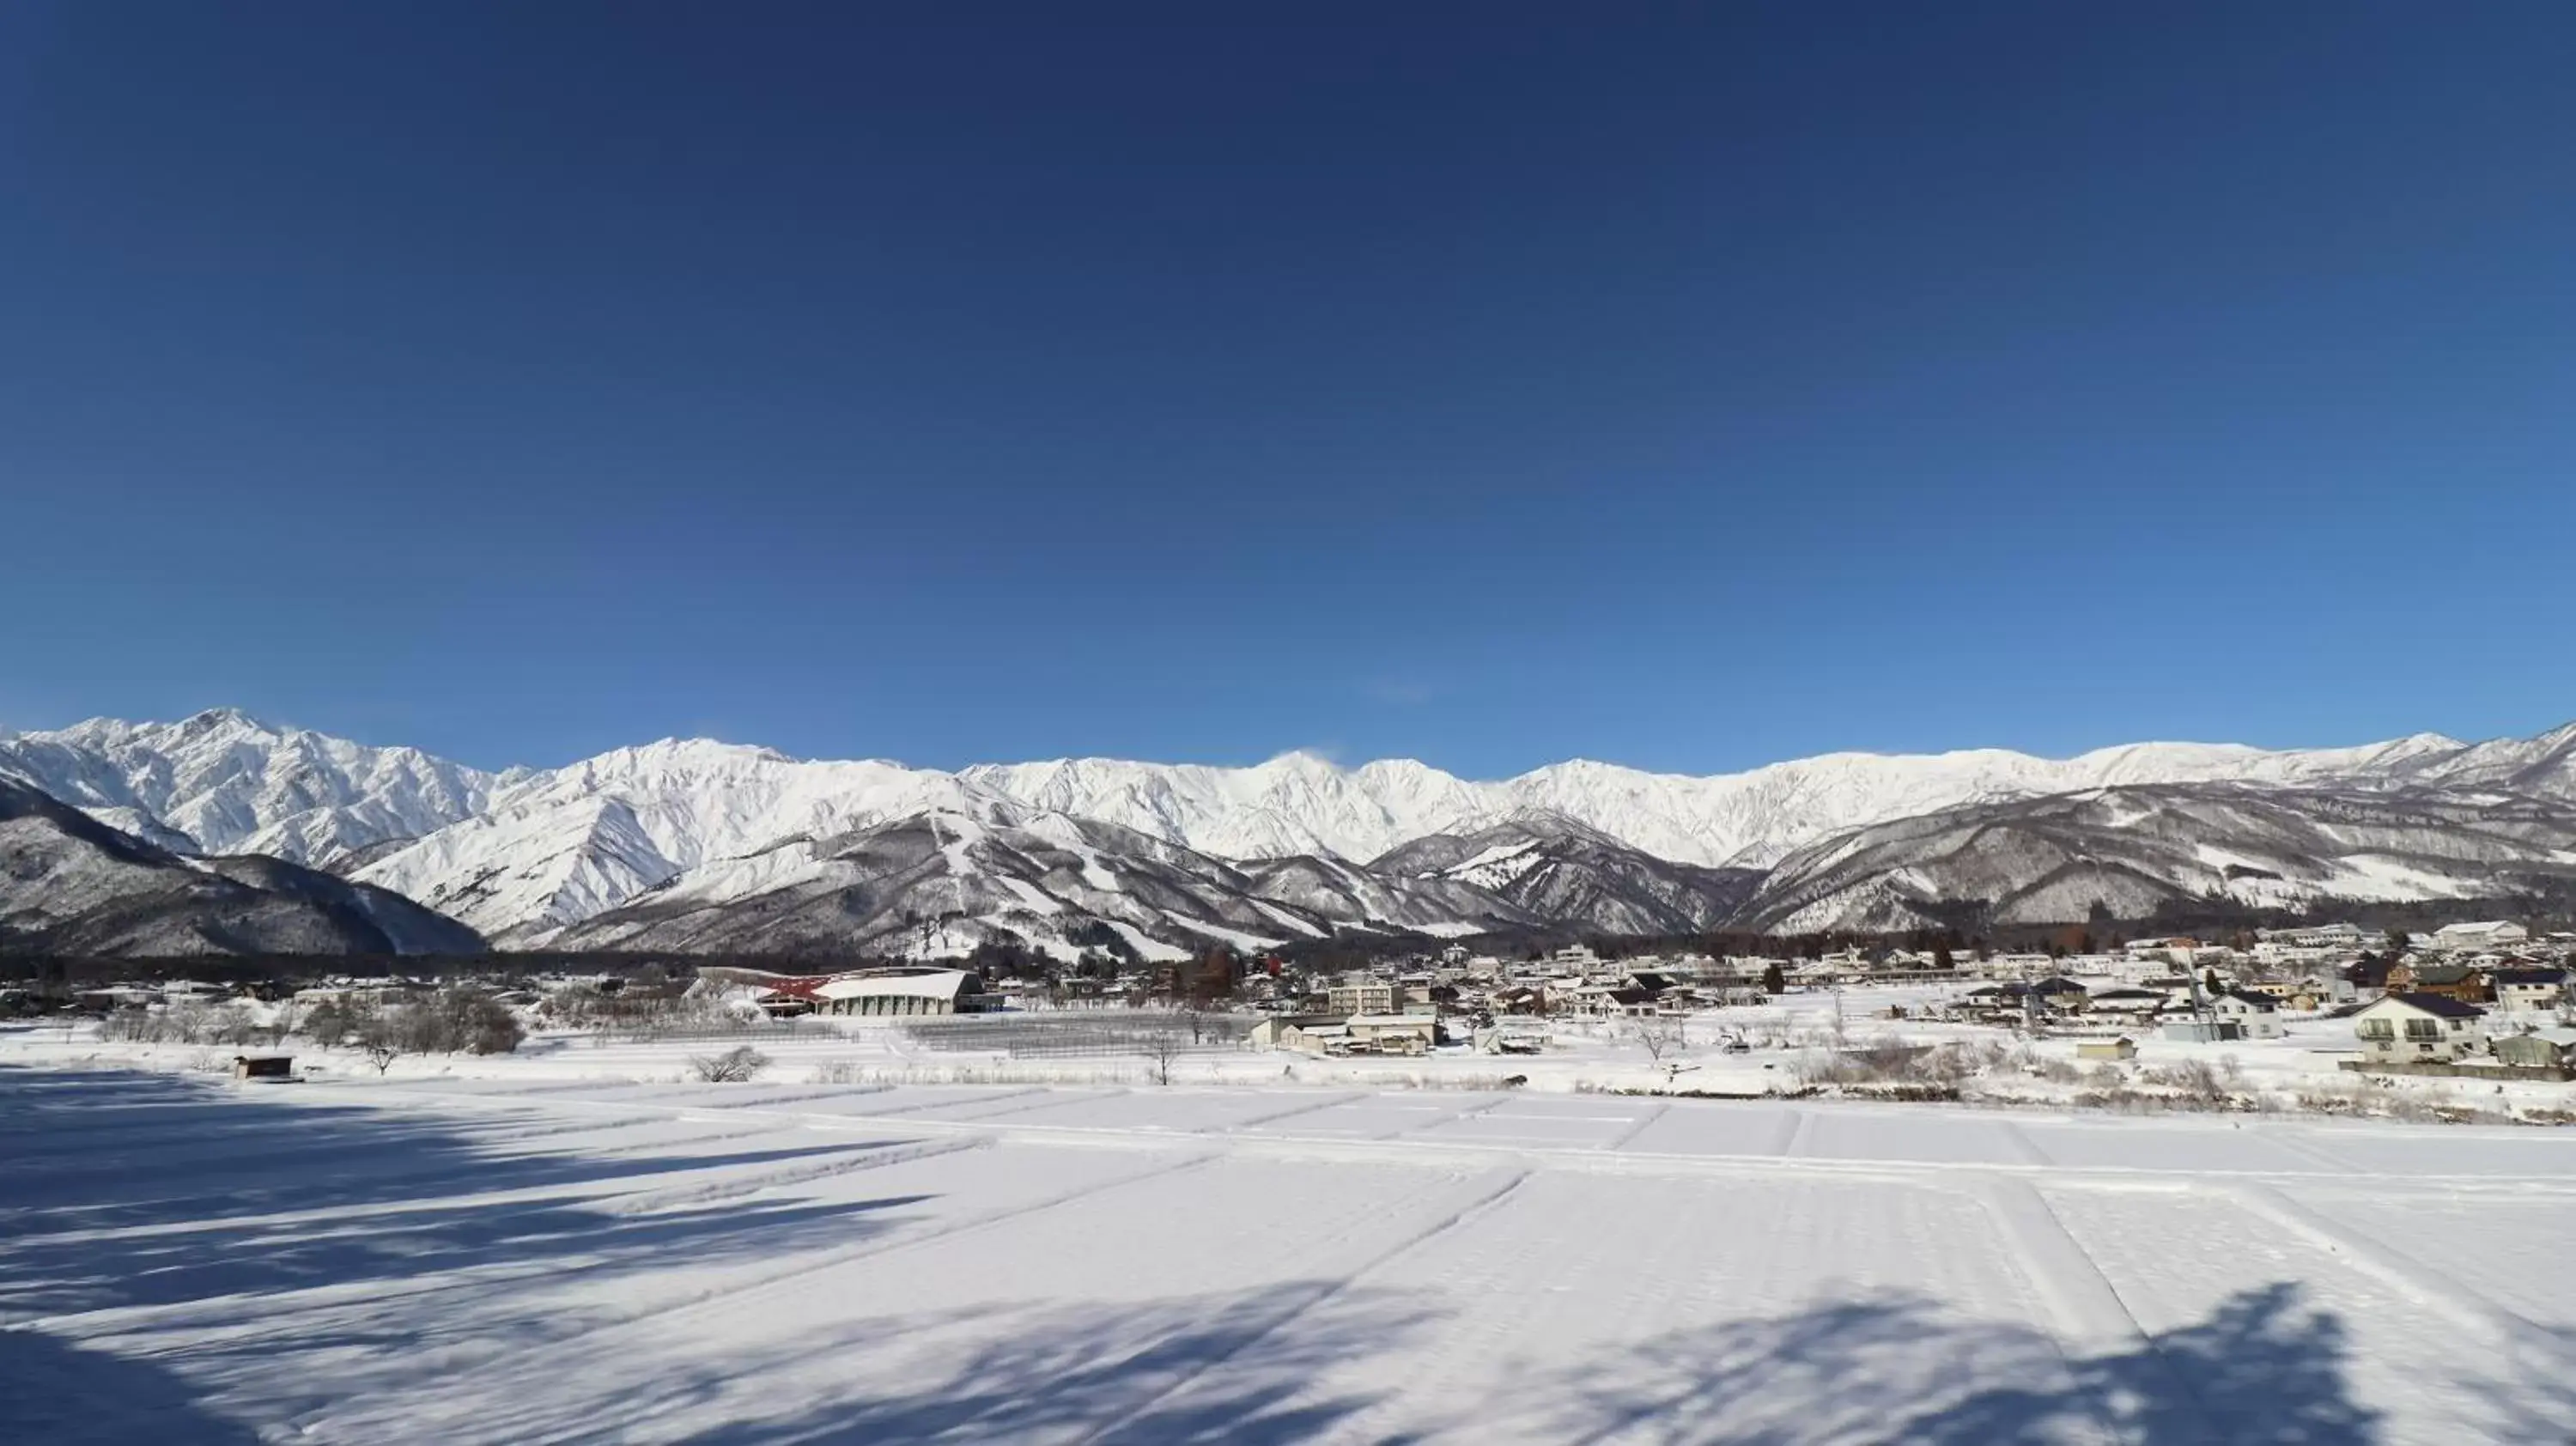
<point x="1685" y="386"/>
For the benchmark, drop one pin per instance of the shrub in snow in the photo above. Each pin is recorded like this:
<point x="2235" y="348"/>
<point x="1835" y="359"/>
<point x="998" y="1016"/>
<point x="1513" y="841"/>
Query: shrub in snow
<point x="734" y="1066"/>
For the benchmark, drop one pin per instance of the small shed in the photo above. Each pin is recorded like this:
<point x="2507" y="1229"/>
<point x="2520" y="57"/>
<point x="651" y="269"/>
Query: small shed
<point x="263" y="1066"/>
<point x="2121" y="1048"/>
<point x="2539" y="1049"/>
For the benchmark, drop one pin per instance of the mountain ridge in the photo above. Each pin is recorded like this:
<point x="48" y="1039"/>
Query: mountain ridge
<point x="530" y="853"/>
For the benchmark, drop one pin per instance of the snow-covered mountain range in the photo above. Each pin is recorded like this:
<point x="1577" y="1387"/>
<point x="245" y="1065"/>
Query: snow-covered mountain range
<point x="608" y="847"/>
<point x="222" y="782"/>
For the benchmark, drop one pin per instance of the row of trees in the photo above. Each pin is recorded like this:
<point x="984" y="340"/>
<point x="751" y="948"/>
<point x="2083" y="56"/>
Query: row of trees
<point x="450" y="1021"/>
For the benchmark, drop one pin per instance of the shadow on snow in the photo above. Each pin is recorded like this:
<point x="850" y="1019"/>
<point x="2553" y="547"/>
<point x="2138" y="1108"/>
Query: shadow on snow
<point x="400" y="1284"/>
<point x="403" y="1235"/>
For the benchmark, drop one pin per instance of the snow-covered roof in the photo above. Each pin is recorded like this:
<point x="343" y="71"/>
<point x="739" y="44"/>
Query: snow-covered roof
<point x="940" y="984"/>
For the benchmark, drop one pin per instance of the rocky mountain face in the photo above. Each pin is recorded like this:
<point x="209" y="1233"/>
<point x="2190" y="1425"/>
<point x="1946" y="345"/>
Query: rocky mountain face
<point x="69" y="884"/>
<point x="2130" y="851"/>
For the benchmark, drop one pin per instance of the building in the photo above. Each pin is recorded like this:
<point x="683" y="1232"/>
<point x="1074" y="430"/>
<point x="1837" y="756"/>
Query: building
<point x="941" y="991"/>
<point x="2402" y="1028"/>
<point x="2475" y="938"/>
<point x="2108" y="1049"/>
<point x="2552" y="1048"/>
<point x="1360" y="994"/>
<point x="2256" y="1016"/>
<point x="1393" y="1033"/>
<point x="1303" y="1033"/>
<point x="2528" y="991"/>
<point x="2463" y="982"/>
<point x="2315" y="936"/>
<point x="2128" y="1002"/>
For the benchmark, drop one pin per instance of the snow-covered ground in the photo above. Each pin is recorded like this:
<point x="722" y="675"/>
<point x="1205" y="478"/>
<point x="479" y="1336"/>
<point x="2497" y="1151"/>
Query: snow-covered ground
<point x="536" y="1255"/>
<point x="1784" y="1040"/>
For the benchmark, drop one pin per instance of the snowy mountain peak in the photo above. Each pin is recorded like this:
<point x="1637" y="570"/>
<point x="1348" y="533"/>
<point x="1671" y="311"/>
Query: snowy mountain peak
<point x="588" y="836"/>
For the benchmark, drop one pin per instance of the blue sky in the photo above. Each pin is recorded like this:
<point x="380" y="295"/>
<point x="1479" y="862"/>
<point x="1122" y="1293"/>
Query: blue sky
<point x="1688" y="387"/>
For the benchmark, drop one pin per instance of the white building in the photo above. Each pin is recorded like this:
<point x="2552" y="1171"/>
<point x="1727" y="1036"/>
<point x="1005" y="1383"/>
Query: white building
<point x="1361" y="994"/>
<point x="2255" y="1015"/>
<point x="2404" y="1028"/>
<point x="2316" y="936"/>
<point x="2473" y="938"/>
<point x="940" y="991"/>
<point x="2528" y="991"/>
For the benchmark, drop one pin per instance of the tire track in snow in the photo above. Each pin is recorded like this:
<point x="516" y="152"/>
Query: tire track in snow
<point x="2023" y="1145"/>
<point x="835" y="1162"/>
<point x="2084" y="1308"/>
<point x="1620" y="1140"/>
<point x="1489" y="1194"/>
<point x="464" y="1359"/>
<point x="926" y="1105"/>
<point x="1794" y="1139"/>
<point x="1307" y="1108"/>
<point x="2394" y="1269"/>
<point x="1454" y="1117"/>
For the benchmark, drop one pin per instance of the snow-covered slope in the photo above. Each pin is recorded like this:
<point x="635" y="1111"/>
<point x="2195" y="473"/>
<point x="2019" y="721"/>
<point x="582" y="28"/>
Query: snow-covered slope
<point x="222" y="782"/>
<point x="2130" y="851"/>
<point x="1552" y="868"/>
<point x="525" y="853"/>
<point x="1301" y="804"/>
<point x="945" y="880"/>
<point x="71" y="885"/>
<point x="560" y="846"/>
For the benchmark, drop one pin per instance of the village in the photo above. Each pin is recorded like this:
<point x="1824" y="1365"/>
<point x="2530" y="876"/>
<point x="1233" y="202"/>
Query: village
<point x="2327" y="1017"/>
<point x="2477" y="997"/>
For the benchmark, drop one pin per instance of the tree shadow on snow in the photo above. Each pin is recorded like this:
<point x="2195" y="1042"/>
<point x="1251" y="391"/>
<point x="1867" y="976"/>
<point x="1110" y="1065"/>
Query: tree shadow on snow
<point x="54" y="1392"/>
<point x="1237" y="1368"/>
<point x="336" y="1227"/>
<point x="2264" y="1369"/>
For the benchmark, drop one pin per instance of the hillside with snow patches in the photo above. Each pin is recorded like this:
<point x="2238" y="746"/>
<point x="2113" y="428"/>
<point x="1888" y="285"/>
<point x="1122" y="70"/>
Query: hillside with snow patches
<point x="2132" y="851"/>
<point x="72" y="885"/>
<point x="699" y="844"/>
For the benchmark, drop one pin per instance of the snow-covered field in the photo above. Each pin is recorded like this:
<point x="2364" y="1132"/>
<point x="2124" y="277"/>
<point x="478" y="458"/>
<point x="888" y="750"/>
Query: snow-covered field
<point x="537" y="1256"/>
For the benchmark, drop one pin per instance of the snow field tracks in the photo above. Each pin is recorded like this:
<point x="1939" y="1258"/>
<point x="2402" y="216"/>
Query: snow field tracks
<point x="747" y="1264"/>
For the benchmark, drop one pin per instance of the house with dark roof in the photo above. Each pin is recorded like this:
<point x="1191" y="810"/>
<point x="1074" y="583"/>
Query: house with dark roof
<point x="2464" y="982"/>
<point x="2139" y="1005"/>
<point x="2257" y="1016"/>
<point x="2367" y="975"/>
<point x="2420" y="1028"/>
<point x="2528" y="990"/>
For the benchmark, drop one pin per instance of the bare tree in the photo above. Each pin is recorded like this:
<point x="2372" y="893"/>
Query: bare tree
<point x="1162" y="1047"/>
<point x="1661" y="1035"/>
<point x="380" y="1036"/>
<point x="735" y="1066"/>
